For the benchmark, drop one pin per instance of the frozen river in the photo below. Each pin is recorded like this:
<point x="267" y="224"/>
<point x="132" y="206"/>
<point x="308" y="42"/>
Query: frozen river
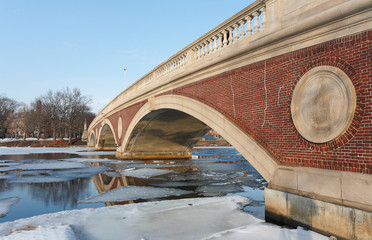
<point x="217" y="184"/>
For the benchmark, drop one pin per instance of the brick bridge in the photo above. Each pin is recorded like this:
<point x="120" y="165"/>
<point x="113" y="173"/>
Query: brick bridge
<point x="288" y="84"/>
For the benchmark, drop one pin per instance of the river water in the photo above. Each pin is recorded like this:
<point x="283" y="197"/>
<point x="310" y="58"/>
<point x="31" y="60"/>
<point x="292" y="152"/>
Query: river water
<point x="52" y="180"/>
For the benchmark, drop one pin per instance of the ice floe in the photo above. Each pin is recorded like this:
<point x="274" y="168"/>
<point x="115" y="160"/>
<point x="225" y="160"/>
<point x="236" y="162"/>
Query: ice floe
<point x="133" y="193"/>
<point x="60" y="232"/>
<point x="186" y="219"/>
<point x="5" y="205"/>
<point x="219" y="190"/>
<point x="145" y="172"/>
<point x="51" y="165"/>
<point x="37" y="179"/>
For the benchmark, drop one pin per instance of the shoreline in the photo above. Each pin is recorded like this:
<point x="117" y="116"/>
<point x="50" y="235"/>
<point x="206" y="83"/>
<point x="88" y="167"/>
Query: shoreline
<point x="64" y="143"/>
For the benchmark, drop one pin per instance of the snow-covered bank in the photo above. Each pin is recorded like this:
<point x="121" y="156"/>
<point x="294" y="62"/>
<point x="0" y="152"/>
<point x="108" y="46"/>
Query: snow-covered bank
<point x="35" y="150"/>
<point x="196" y="218"/>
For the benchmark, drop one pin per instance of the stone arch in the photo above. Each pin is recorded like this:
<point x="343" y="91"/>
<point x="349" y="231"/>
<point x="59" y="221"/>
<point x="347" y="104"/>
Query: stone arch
<point x="106" y="138"/>
<point x="260" y="159"/>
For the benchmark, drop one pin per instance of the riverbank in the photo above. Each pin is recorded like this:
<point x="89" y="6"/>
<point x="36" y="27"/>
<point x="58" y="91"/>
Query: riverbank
<point x="33" y="142"/>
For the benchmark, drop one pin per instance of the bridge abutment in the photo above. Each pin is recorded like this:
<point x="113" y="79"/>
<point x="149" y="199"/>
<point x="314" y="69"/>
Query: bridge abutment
<point x="343" y="222"/>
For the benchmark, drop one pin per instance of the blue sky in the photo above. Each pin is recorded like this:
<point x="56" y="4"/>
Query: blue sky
<point x="50" y="45"/>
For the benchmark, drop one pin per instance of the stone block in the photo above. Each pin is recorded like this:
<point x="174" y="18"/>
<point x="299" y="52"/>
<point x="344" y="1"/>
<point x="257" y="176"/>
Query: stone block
<point x="285" y="178"/>
<point x="275" y="202"/>
<point x="300" y="209"/>
<point x="357" y="188"/>
<point x="363" y="225"/>
<point x="328" y="183"/>
<point x="333" y="218"/>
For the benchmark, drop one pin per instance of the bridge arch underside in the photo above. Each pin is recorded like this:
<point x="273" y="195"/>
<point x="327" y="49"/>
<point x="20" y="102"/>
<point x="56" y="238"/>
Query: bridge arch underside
<point x="168" y="126"/>
<point x="106" y="139"/>
<point x="165" y="133"/>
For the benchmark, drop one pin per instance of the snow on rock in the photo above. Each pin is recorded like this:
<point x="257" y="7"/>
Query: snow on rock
<point x="145" y="172"/>
<point x="134" y="192"/>
<point x="5" y="205"/>
<point x="185" y="219"/>
<point x="61" y="232"/>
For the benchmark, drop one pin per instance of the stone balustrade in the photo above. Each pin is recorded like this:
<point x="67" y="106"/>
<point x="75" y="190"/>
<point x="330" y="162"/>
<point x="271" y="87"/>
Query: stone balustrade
<point x="241" y="26"/>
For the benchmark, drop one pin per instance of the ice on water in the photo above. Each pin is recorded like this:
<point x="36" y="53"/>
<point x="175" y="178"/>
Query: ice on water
<point x="51" y="165"/>
<point x="214" y="218"/>
<point x="60" y="232"/>
<point x="5" y="205"/>
<point x="145" y="172"/>
<point x="219" y="190"/>
<point x="133" y="193"/>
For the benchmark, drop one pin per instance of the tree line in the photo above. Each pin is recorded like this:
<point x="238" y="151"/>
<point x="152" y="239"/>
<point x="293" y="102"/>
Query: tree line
<point x="54" y="114"/>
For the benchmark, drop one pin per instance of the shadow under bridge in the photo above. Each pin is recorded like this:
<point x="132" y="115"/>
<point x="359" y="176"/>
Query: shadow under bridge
<point x="164" y="133"/>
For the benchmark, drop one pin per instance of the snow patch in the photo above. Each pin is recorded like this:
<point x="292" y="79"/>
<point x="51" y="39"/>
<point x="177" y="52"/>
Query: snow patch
<point x="60" y="232"/>
<point x="194" y="218"/>
<point x="264" y="231"/>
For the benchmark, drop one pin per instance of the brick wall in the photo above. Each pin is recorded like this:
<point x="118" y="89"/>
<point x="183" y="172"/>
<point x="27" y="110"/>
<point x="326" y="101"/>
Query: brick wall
<point x="257" y="98"/>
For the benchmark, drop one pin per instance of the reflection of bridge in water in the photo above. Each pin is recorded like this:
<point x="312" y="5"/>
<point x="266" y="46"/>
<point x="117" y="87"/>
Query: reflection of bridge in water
<point x="198" y="175"/>
<point x="105" y="182"/>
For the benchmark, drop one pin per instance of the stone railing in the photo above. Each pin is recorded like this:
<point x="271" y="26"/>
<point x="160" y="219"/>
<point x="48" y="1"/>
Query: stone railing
<point x="238" y="28"/>
<point x="242" y="25"/>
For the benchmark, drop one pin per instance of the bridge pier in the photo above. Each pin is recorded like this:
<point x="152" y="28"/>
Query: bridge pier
<point x="152" y="155"/>
<point x="328" y="218"/>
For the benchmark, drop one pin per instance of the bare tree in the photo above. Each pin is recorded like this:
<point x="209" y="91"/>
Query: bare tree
<point x="52" y="110"/>
<point x="7" y="109"/>
<point x="74" y="106"/>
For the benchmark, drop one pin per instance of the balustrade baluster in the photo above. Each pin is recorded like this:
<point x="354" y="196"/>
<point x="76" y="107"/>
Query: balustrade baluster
<point x="263" y="22"/>
<point x="220" y="44"/>
<point x="256" y="23"/>
<point x="249" y="26"/>
<point x="242" y="32"/>
<point x="208" y="47"/>
<point x="230" y="35"/>
<point x="236" y="34"/>
<point x="197" y="52"/>
<point x="225" y="38"/>
<point x="215" y="43"/>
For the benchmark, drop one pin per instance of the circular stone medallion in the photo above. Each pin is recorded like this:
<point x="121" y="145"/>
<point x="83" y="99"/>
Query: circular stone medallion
<point x="323" y="104"/>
